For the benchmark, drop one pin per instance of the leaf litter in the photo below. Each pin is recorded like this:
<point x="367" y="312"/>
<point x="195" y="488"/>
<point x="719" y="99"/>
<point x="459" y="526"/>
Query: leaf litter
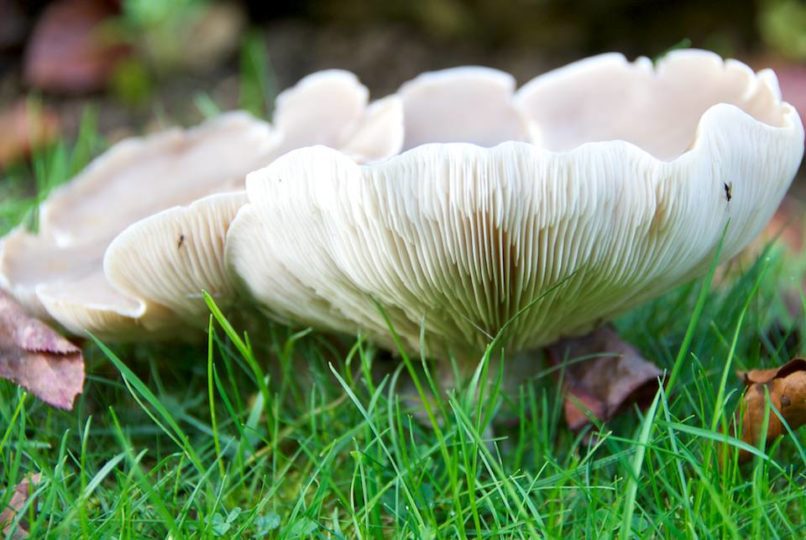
<point x="36" y="357"/>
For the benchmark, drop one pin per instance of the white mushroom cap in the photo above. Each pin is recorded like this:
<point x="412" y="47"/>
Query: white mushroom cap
<point x="463" y="239"/>
<point x="379" y="134"/>
<point x="150" y="280"/>
<point x="147" y="280"/>
<point x="467" y="104"/>
<point x="27" y="261"/>
<point x="140" y="176"/>
<point x="657" y="108"/>
<point x="58" y="272"/>
<point x="331" y="108"/>
<point x="169" y="258"/>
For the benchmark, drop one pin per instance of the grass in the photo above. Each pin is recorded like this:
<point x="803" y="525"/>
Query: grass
<point x="290" y="433"/>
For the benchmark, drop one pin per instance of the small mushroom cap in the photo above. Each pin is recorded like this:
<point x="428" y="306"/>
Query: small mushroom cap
<point x="152" y="275"/>
<point x="322" y="108"/>
<point x="169" y="258"/>
<point x="140" y="176"/>
<point x="379" y="134"/>
<point x="468" y="241"/>
<point x="140" y="271"/>
<point x="58" y="272"/>
<point x="28" y="260"/>
<point x="89" y="304"/>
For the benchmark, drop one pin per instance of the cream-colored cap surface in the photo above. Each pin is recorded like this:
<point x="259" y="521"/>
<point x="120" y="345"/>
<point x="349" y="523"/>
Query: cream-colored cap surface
<point x="469" y="104"/>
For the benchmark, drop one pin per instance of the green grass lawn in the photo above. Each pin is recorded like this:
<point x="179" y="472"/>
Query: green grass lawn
<point x="293" y="434"/>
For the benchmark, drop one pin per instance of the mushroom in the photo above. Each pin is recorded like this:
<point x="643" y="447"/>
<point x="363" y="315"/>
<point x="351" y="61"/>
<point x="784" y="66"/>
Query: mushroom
<point x="57" y="272"/>
<point x="639" y="173"/>
<point x="115" y="256"/>
<point x="472" y="104"/>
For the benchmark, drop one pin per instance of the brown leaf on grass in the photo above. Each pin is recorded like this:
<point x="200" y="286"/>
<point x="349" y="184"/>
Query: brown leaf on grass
<point x="25" y="127"/>
<point x="603" y="375"/>
<point x="69" y="50"/>
<point x="21" y="494"/>
<point x="37" y="358"/>
<point x="787" y="390"/>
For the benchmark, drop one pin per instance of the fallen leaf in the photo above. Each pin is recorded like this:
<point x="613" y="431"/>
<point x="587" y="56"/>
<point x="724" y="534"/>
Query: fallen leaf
<point x="68" y="52"/>
<point x="21" y="494"/>
<point x="37" y="358"/>
<point x="786" y="386"/>
<point x="603" y="375"/>
<point x="24" y="127"/>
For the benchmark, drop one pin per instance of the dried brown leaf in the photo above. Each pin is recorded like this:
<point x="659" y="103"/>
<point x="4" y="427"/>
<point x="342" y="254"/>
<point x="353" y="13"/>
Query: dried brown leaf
<point x="603" y="375"/>
<point x="786" y="386"/>
<point x="25" y="127"/>
<point x="21" y="494"/>
<point x="69" y="50"/>
<point x="36" y="357"/>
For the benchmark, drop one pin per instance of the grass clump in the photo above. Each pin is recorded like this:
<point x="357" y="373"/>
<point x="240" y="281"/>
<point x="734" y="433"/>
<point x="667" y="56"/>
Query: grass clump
<point x="290" y="435"/>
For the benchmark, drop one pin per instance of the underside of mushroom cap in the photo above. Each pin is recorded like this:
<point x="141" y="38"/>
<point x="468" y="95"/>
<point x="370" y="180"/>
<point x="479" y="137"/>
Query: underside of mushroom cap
<point x="171" y="257"/>
<point x="467" y="241"/>
<point x="151" y="280"/>
<point x="66" y="283"/>
<point x="656" y="107"/>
